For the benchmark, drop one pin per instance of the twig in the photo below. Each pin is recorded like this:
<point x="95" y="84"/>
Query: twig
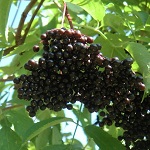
<point x="19" y="38"/>
<point x="10" y="78"/>
<point x="63" y="17"/>
<point x="9" y="49"/>
<point x="22" y="20"/>
<point x="31" y="20"/>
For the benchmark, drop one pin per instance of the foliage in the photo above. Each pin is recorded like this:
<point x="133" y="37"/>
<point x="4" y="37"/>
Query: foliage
<point x="122" y="28"/>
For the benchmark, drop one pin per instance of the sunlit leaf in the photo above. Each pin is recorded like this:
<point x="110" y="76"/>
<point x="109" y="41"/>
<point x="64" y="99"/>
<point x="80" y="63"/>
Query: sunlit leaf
<point x="110" y="21"/>
<point x="11" y="37"/>
<point x="22" y="48"/>
<point x="4" y="12"/>
<point x="113" y="130"/>
<point x="94" y="8"/>
<point x="18" y="61"/>
<point x="103" y="139"/>
<point x="74" y="8"/>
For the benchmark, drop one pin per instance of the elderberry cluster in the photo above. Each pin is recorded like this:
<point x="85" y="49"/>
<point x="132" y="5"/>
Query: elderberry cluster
<point x="69" y="71"/>
<point x="72" y="69"/>
<point x="68" y="57"/>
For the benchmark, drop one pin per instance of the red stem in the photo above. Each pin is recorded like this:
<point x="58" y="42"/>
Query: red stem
<point x="68" y="16"/>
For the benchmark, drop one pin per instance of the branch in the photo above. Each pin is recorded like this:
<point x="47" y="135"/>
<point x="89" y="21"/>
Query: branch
<point x="31" y="20"/>
<point x="9" y="49"/>
<point x="19" y="38"/>
<point x="22" y="20"/>
<point x="9" y="78"/>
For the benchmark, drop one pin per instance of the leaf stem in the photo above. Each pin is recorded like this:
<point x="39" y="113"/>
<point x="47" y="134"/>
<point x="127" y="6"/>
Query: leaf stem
<point x="63" y="17"/>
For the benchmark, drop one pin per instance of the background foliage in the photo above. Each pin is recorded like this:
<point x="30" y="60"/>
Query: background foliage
<point x="122" y="28"/>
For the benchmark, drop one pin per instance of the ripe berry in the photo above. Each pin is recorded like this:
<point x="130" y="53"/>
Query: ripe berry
<point x="69" y="107"/>
<point x="36" y="48"/>
<point x="43" y="36"/>
<point x="32" y="114"/>
<point x="16" y="80"/>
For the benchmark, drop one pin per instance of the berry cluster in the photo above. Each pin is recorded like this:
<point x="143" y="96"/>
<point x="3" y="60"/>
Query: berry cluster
<point x="73" y="69"/>
<point x="68" y="57"/>
<point x="70" y="70"/>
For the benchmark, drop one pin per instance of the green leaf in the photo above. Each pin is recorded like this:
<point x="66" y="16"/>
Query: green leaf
<point x="113" y="130"/>
<point x="143" y="16"/>
<point x="7" y="70"/>
<point x="142" y="57"/>
<point x="20" y="120"/>
<point x="103" y="139"/>
<point x="88" y="32"/>
<point x="77" y="145"/>
<point x="4" y="12"/>
<point x="74" y="8"/>
<point x="18" y="62"/>
<point x="11" y="36"/>
<point x="56" y="136"/>
<point x="110" y="21"/>
<point x="56" y="147"/>
<point x="143" y="39"/>
<point x="112" y="51"/>
<point x="42" y="139"/>
<point x="42" y="125"/>
<point x="94" y="8"/>
<point x="23" y="48"/>
<point x="9" y="139"/>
